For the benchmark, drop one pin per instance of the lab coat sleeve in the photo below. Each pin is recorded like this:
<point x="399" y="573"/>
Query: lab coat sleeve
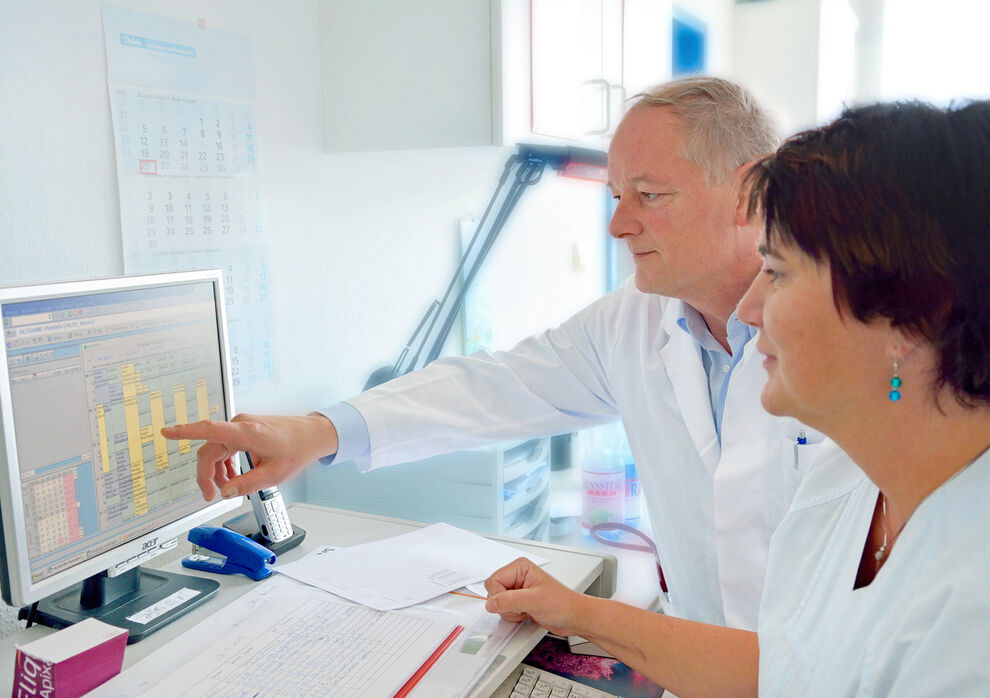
<point x="550" y="383"/>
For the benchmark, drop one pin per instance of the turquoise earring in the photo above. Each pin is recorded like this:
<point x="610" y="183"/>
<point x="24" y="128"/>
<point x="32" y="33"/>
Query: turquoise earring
<point x="895" y="384"/>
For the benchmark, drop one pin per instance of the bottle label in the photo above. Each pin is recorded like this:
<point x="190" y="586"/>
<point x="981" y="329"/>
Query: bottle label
<point x="604" y="497"/>
<point x="633" y="496"/>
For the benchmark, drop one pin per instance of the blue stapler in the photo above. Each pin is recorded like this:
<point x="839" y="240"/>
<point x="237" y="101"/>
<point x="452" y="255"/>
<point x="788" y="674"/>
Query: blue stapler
<point x="241" y="555"/>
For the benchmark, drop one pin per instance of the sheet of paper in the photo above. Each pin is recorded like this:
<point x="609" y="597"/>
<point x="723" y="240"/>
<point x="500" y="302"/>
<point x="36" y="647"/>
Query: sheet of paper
<point x="405" y="570"/>
<point x="285" y="638"/>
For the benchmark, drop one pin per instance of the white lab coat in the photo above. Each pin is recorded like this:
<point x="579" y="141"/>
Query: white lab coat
<point x="919" y="629"/>
<point x="712" y="508"/>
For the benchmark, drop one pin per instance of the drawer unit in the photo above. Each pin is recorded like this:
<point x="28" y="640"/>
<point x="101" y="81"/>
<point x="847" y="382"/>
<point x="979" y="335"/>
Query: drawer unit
<point x="502" y="490"/>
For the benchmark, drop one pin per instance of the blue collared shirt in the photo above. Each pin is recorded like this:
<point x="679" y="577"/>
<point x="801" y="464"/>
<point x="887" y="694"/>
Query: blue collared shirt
<point x="352" y="433"/>
<point x="717" y="362"/>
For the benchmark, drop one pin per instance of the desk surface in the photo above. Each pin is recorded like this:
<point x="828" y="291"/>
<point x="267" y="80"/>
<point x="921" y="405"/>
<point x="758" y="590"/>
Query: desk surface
<point x="585" y="570"/>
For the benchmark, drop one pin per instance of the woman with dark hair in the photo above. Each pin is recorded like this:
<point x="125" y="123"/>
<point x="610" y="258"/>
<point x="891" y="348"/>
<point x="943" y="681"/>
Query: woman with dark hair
<point x="874" y="313"/>
<point x="873" y="307"/>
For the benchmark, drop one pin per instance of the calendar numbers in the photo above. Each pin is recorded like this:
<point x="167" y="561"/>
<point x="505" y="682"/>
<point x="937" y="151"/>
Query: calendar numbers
<point x="184" y="135"/>
<point x="177" y="211"/>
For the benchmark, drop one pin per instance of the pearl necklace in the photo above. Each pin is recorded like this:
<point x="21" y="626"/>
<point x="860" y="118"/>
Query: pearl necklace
<point x="881" y="554"/>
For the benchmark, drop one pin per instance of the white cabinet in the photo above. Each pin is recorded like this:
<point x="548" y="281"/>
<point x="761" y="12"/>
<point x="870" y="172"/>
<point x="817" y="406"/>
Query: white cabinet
<point x="577" y="67"/>
<point x="401" y="74"/>
<point x="586" y="58"/>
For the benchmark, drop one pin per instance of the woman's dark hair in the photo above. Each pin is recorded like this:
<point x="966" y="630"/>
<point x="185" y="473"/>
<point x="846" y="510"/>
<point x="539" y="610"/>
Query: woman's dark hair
<point x="896" y="199"/>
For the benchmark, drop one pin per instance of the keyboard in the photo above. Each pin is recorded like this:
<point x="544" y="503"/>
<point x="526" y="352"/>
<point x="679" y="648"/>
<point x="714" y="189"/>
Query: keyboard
<point x="529" y="682"/>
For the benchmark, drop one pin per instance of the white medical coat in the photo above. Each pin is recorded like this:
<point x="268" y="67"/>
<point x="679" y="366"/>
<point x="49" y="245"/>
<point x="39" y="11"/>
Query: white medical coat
<point x="921" y="628"/>
<point x="712" y="507"/>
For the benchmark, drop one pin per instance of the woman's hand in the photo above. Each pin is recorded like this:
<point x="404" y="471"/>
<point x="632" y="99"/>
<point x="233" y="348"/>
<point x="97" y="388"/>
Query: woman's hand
<point x="522" y="590"/>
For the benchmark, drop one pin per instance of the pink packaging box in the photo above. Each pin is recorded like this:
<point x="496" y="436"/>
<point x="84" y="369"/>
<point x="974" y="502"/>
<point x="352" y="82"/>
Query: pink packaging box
<point x="70" y="662"/>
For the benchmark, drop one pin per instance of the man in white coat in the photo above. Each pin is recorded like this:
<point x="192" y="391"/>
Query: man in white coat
<point x="665" y="353"/>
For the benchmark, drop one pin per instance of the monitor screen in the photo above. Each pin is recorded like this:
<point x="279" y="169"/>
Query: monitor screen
<point x="91" y="372"/>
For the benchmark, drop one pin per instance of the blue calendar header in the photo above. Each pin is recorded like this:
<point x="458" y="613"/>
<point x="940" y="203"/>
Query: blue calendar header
<point x="155" y="45"/>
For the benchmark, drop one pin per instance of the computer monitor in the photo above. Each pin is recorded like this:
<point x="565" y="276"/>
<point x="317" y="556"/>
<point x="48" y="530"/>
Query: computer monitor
<point x="91" y="372"/>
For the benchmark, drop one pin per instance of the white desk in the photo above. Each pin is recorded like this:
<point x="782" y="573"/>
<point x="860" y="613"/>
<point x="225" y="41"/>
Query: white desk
<point x="588" y="571"/>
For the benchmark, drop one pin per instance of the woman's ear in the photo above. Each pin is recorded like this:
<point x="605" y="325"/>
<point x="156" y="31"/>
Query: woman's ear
<point x="901" y="345"/>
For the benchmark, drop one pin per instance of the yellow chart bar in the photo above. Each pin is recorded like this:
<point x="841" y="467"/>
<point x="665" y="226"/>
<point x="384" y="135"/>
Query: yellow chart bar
<point x="101" y="425"/>
<point x="157" y="422"/>
<point x="202" y="399"/>
<point x="132" y="420"/>
<point x="181" y="415"/>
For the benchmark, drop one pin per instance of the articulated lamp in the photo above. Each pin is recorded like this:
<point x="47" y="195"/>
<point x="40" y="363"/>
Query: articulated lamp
<point x="524" y="168"/>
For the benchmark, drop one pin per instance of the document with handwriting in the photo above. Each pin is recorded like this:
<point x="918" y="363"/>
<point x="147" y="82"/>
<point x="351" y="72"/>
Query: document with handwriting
<point x="285" y="638"/>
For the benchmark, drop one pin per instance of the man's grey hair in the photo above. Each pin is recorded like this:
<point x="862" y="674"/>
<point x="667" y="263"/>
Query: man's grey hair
<point x="725" y="127"/>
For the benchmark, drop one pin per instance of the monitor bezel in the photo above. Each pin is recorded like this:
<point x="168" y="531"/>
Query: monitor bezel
<point x="15" y="579"/>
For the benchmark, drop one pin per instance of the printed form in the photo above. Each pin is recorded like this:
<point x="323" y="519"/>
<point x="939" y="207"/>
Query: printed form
<point x="407" y="569"/>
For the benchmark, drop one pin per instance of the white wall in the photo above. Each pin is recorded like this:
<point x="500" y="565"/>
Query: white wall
<point x="361" y="242"/>
<point x="719" y="16"/>
<point x="933" y="51"/>
<point x="776" y="56"/>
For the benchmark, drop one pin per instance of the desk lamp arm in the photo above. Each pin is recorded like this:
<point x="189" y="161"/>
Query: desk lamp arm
<point x="524" y="168"/>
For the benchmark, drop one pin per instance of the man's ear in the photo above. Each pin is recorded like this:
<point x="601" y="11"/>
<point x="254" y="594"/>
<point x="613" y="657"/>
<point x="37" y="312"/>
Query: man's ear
<point x="741" y="215"/>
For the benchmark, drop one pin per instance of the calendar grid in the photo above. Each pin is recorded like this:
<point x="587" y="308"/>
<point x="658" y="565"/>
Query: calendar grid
<point x="188" y="172"/>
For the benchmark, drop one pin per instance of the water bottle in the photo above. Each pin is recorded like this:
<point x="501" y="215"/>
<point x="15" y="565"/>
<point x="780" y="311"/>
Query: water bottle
<point x="604" y="480"/>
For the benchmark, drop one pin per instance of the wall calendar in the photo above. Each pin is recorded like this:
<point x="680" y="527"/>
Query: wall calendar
<point x="182" y="102"/>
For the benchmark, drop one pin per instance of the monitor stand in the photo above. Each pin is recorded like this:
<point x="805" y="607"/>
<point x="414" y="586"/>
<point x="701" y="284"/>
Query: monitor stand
<point x="140" y="600"/>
